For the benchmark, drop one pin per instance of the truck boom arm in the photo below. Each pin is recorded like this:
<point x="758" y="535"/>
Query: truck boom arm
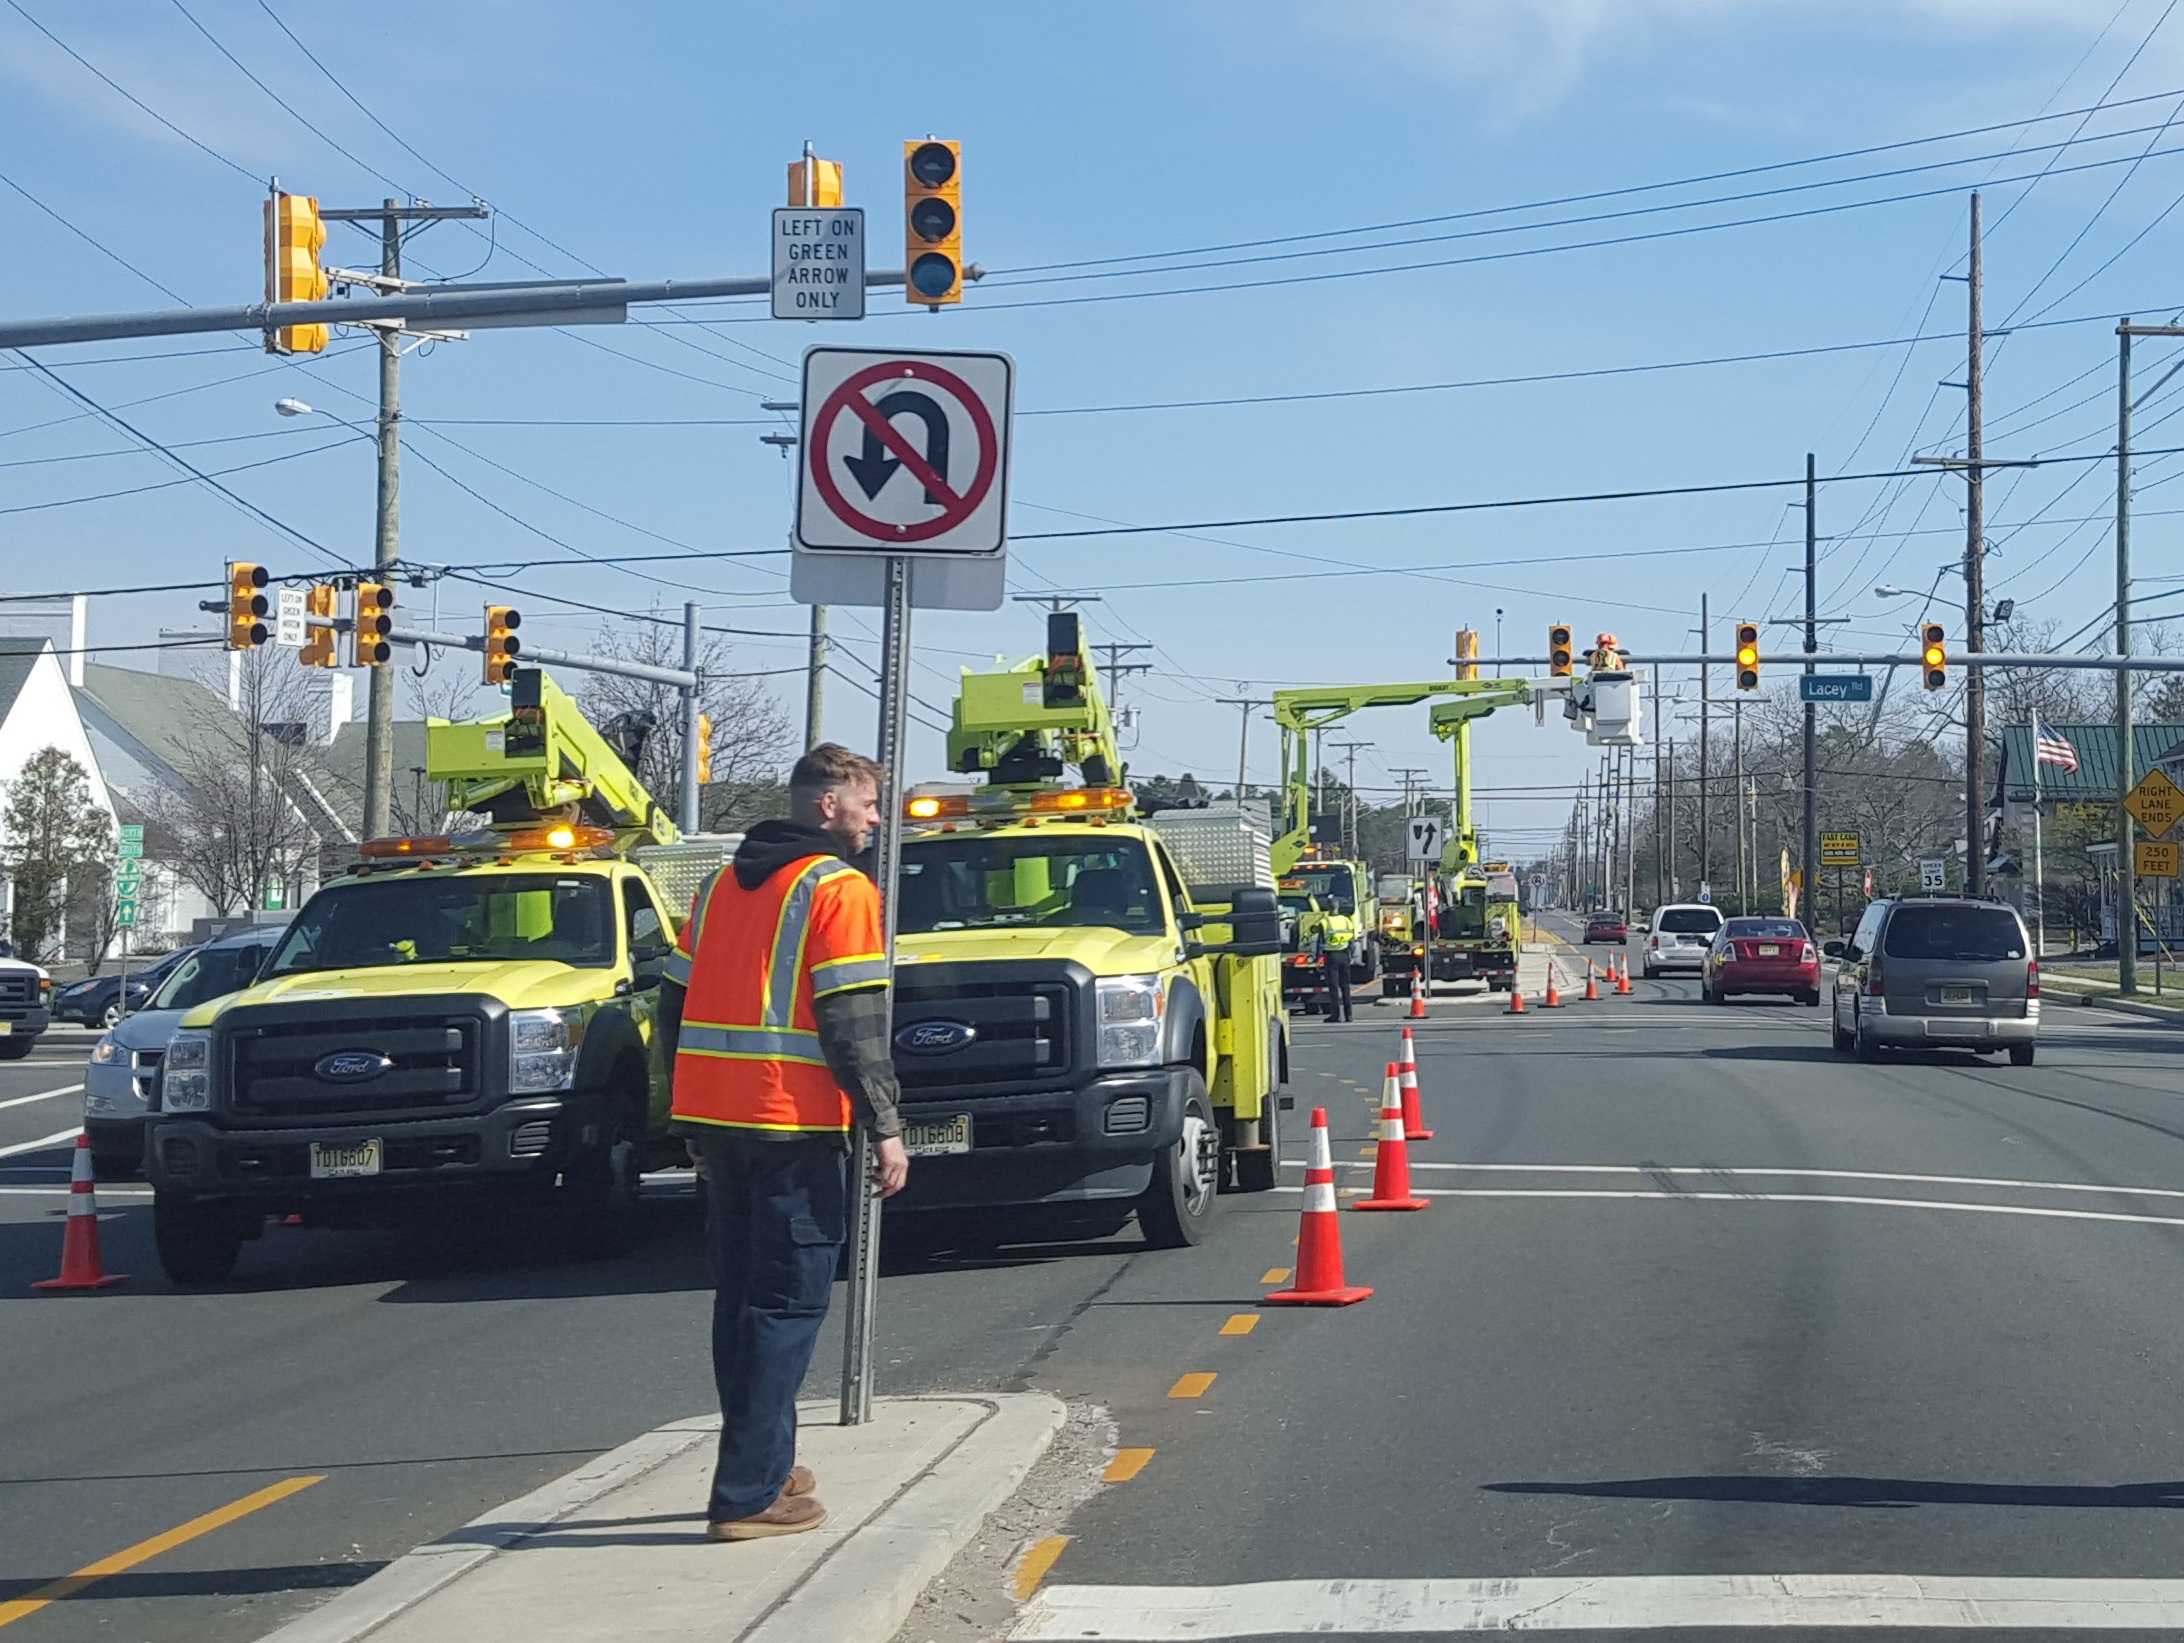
<point x="1023" y="726"/>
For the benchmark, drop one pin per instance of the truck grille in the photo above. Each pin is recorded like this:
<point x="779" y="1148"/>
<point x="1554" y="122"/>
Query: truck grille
<point x="1022" y="1034"/>
<point x="273" y="1067"/>
<point x="18" y="992"/>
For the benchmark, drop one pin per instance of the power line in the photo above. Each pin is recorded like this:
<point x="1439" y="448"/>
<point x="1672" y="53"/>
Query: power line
<point x="103" y="249"/>
<point x="193" y="476"/>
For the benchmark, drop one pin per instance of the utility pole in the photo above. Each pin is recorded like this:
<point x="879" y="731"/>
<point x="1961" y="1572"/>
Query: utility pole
<point x="1243" y="743"/>
<point x="1117" y="669"/>
<point x="1975" y="585"/>
<point x="1736" y="809"/>
<point x="693" y="703"/>
<point x="1349" y="749"/>
<point x="1659" y="854"/>
<point x="1706" y="726"/>
<point x="1808" y="862"/>
<point x="379" y="706"/>
<point x="815" y="681"/>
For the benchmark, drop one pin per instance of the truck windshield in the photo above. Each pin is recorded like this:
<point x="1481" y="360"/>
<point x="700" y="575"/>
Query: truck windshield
<point x="207" y="974"/>
<point x="987" y="881"/>
<point x="1336" y="887"/>
<point x="456" y="919"/>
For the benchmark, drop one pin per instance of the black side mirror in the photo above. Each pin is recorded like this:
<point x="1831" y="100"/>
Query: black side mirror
<point x="1834" y="949"/>
<point x="645" y="961"/>
<point x="1255" y="923"/>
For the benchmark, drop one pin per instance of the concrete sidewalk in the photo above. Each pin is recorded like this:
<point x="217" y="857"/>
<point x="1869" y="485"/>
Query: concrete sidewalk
<point x="617" y="1548"/>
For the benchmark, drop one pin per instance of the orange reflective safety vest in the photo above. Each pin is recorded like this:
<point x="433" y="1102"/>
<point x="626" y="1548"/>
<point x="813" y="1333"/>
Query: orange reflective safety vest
<point x="753" y="962"/>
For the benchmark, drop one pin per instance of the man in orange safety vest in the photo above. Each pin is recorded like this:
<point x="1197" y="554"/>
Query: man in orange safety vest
<point x="775" y="1009"/>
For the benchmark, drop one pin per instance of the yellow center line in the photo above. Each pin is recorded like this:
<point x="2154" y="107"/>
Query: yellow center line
<point x="1038" y="1561"/>
<point x="1241" y="1323"/>
<point x="1192" y="1385"/>
<point x="145" y="1550"/>
<point x="1276" y="1275"/>
<point x="1127" y="1464"/>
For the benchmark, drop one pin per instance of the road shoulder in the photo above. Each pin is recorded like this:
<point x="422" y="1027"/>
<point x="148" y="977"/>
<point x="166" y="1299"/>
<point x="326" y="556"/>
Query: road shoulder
<point x="617" y="1547"/>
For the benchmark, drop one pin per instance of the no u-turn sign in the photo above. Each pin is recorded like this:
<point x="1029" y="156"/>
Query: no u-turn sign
<point x="905" y="452"/>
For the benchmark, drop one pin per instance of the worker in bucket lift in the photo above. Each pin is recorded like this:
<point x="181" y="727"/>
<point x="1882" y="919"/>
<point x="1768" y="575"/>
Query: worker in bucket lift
<point x="1607" y="655"/>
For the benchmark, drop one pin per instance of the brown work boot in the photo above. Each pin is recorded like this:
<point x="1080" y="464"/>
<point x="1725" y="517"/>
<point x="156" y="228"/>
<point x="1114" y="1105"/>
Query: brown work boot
<point x="801" y="1481"/>
<point x="789" y="1515"/>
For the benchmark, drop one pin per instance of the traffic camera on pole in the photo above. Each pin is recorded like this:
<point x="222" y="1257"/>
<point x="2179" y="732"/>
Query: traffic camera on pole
<point x="501" y="644"/>
<point x="705" y="749"/>
<point x="319" y="649"/>
<point x="932" y="221"/>
<point x="294" y="237"/>
<point x="1747" y="656"/>
<point x="246" y="606"/>
<point x="1561" y="657"/>
<point x="369" y="635"/>
<point x="1933" y="657"/>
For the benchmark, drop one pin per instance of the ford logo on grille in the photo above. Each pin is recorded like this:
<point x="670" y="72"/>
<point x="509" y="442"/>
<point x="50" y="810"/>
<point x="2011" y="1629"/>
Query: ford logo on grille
<point x="934" y="1037"/>
<point x="351" y="1066"/>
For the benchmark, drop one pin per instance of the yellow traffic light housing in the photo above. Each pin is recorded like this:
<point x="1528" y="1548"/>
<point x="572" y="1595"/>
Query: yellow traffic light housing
<point x="246" y="606"/>
<point x="932" y="221"/>
<point x="501" y="644"/>
<point x="1933" y="657"/>
<point x="319" y="649"/>
<point x="1747" y="656"/>
<point x="1467" y="653"/>
<point x="820" y="178"/>
<point x="1560" y="656"/>
<point x="705" y="748"/>
<point x="369" y="645"/>
<point x="294" y="236"/>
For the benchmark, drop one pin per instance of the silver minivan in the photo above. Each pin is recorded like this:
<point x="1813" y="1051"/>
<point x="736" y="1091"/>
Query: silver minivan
<point x="1934" y="972"/>
<point x="1678" y="937"/>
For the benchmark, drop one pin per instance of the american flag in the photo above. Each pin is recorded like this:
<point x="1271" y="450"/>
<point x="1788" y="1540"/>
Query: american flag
<point x="2049" y="748"/>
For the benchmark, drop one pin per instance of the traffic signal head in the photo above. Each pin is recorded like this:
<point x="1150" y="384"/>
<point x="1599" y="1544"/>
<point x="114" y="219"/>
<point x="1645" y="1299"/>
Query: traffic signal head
<point x="501" y="643"/>
<point x="294" y="236"/>
<point x="1747" y="656"/>
<point x="369" y="645"/>
<point x="1933" y="657"/>
<point x="318" y="633"/>
<point x="246" y="606"/>
<point x="821" y="179"/>
<point x="1560" y="657"/>
<point x="705" y="748"/>
<point x="932" y="221"/>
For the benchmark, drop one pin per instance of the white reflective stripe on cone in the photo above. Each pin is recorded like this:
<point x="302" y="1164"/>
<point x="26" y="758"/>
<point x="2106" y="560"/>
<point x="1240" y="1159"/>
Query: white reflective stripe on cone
<point x="1319" y="1196"/>
<point x="1323" y="1157"/>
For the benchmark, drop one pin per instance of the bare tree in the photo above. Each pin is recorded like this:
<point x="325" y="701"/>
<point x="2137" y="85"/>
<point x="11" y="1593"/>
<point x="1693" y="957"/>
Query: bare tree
<point x="251" y="806"/>
<point x="751" y="739"/>
<point x="50" y="832"/>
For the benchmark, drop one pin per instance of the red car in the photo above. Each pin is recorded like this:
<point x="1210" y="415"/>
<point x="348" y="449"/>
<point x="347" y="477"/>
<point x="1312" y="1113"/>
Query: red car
<point x="1761" y="955"/>
<point x="1607" y="927"/>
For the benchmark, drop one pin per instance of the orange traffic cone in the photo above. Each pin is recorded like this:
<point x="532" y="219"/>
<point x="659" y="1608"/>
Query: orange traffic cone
<point x="1516" y="999"/>
<point x="1553" y="1000"/>
<point x="1592" y="987"/>
<point x="1418" y="992"/>
<point x="81" y="1267"/>
<point x="1391" y="1166"/>
<point x="1414" y="1114"/>
<point x="1319" y="1238"/>
<point x="1622" y="979"/>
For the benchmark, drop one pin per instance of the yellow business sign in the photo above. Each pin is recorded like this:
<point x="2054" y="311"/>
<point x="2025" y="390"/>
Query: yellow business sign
<point x="2155" y="859"/>
<point x="1838" y="850"/>
<point x="2156" y="803"/>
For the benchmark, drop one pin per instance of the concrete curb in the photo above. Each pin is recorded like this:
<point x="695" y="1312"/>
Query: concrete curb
<point x="858" y="1589"/>
<point x="2123" y="1006"/>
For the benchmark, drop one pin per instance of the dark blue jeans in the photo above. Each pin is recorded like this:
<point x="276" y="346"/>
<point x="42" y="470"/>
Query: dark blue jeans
<point x="776" y="1218"/>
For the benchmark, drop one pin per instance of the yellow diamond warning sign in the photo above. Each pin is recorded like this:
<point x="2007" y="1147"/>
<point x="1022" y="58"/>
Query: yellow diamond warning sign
<point x="2156" y="803"/>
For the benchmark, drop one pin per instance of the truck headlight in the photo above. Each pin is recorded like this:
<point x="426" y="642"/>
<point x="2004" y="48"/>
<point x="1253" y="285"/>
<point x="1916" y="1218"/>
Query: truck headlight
<point x="541" y="1050"/>
<point x="185" y="1076"/>
<point x="105" y="1052"/>
<point x="1130" y="1008"/>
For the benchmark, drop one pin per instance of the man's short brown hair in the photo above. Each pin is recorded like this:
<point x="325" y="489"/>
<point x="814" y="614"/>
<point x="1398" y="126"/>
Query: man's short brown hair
<point x="828" y="766"/>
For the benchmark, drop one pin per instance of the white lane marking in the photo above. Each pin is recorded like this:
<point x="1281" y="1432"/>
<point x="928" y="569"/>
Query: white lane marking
<point x="57" y="1138"/>
<point x="42" y="1095"/>
<point x="1794" y="1174"/>
<point x="1664" y="1195"/>
<point x="1392" y="1608"/>
<point x="63" y="1192"/>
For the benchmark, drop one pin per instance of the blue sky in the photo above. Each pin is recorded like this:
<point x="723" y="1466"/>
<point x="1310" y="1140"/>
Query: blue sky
<point x="650" y="142"/>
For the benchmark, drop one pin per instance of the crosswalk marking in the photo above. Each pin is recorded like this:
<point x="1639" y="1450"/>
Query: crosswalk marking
<point x="1676" y="1603"/>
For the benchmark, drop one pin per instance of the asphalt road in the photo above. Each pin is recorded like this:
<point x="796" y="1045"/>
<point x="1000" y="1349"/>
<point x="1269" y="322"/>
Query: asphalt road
<point x="1694" y="1297"/>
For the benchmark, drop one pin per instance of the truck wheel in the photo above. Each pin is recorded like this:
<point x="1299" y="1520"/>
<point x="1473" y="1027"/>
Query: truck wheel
<point x="15" y="1046"/>
<point x="598" y="1197"/>
<point x="1186" y="1178"/>
<point x="198" y="1243"/>
<point x="1255" y="1170"/>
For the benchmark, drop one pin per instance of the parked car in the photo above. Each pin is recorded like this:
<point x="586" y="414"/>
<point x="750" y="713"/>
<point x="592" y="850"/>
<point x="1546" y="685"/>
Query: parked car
<point x="1937" y="972"/>
<point x="1761" y="955"/>
<point x="1607" y="927"/>
<point x="121" y="1081"/>
<point x="1678" y="936"/>
<point x="100" y="1001"/>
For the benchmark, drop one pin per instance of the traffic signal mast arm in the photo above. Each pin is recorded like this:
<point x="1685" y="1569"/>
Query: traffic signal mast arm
<point x="1302" y="710"/>
<point x="544" y="761"/>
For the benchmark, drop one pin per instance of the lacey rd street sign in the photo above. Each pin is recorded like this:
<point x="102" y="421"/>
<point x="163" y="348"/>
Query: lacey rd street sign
<point x="819" y="263"/>
<point x="905" y="453"/>
<point x="1835" y="687"/>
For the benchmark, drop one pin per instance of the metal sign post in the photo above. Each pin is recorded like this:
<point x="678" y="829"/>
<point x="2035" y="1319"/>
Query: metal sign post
<point x="864" y="1261"/>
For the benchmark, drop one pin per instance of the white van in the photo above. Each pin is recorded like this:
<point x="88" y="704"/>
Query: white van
<point x="1678" y="936"/>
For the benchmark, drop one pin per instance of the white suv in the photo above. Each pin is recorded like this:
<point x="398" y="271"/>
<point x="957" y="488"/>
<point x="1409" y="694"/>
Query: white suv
<point x="1678" y="936"/>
